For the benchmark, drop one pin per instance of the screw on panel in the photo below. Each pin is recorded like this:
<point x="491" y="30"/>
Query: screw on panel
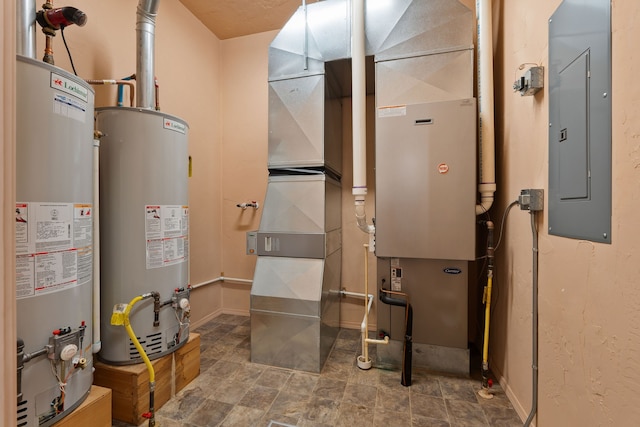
<point x="604" y="95"/>
<point x="604" y="235"/>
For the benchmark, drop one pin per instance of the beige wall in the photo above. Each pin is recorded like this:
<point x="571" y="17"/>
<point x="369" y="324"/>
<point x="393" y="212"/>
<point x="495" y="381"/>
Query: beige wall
<point x="589" y="297"/>
<point x="244" y="153"/>
<point x="7" y="230"/>
<point x="589" y="294"/>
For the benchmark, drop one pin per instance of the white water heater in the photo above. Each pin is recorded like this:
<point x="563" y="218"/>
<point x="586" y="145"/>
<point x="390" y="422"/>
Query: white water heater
<point x="54" y="241"/>
<point x="144" y="230"/>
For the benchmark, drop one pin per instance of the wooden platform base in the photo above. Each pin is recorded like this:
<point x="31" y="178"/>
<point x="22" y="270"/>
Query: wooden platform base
<point x="130" y="384"/>
<point x="95" y="411"/>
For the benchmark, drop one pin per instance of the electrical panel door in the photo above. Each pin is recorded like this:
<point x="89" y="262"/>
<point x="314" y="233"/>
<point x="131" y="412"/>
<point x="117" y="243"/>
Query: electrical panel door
<point x="580" y="121"/>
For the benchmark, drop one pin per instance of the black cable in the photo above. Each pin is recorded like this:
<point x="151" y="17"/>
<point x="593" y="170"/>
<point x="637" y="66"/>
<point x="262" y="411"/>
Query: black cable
<point x="504" y="217"/>
<point x="68" y="52"/>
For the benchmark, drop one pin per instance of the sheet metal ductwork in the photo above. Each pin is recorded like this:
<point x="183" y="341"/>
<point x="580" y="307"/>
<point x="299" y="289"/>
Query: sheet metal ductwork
<point x="423" y="54"/>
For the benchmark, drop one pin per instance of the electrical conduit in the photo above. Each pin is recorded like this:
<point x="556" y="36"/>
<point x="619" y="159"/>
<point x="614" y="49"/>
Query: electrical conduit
<point x="487" y="186"/>
<point x="534" y="323"/>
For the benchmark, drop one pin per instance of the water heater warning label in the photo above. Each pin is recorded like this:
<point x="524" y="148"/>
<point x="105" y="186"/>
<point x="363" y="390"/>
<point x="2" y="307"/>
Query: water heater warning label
<point x="53" y="247"/>
<point x="167" y="235"/>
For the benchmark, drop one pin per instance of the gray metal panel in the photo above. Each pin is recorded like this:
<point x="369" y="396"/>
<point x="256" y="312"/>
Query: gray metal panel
<point x="439" y="301"/>
<point x="580" y="120"/>
<point x="301" y="204"/>
<point x="294" y="245"/>
<point x="433" y="357"/>
<point x="297" y="245"/>
<point x="288" y="279"/>
<point x="394" y="29"/>
<point x="327" y="39"/>
<point x="305" y="123"/>
<point x="431" y="78"/>
<point x="404" y="28"/>
<point x="296" y="122"/>
<point x="333" y="118"/>
<point x="573" y="121"/>
<point x="295" y="311"/>
<point x="425" y="180"/>
<point x="286" y="340"/>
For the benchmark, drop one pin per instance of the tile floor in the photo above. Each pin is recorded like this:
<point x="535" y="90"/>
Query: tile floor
<point x="232" y="391"/>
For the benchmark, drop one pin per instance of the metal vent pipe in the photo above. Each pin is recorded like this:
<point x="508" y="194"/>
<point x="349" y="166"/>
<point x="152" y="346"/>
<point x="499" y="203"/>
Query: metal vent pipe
<point x="26" y="28"/>
<point x="145" y="52"/>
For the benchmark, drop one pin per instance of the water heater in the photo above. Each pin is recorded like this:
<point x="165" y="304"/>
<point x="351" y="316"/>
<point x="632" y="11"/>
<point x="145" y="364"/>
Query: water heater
<point x="54" y="241"/>
<point x="144" y="229"/>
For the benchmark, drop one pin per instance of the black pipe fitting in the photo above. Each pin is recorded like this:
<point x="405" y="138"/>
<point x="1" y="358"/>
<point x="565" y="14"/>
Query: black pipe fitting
<point x="407" y="350"/>
<point x="156" y="308"/>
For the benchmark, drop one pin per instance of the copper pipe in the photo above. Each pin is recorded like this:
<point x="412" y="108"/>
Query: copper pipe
<point x="48" y="49"/>
<point x="157" y="86"/>
<point x="116" y="82"/>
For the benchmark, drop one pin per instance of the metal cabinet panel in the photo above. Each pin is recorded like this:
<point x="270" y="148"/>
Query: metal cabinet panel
<point x="444" y="76"/>
<point x="573" y="143"/>
<point x="580" y="121"/>
<point x="426" y="180"/>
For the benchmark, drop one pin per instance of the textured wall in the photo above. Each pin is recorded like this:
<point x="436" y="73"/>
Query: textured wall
<point x="589" y="295"/>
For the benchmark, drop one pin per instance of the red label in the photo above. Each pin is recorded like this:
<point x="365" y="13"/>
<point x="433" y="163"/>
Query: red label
<point x="443" y="168"/>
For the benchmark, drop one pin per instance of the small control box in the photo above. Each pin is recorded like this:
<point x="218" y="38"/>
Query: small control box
<point x="530" y="82"/>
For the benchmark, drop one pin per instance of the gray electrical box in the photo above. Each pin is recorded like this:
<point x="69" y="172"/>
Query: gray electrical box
<point x="580" y="121"/>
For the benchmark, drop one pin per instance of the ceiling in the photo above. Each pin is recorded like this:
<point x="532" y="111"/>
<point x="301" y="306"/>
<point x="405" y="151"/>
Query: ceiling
<point x="234" y="18"/>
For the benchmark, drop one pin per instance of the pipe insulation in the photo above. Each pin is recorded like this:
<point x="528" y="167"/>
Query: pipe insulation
<point x="145" y="52"/>
<point x="359" y="114"/>
<point x="487" y="186"/>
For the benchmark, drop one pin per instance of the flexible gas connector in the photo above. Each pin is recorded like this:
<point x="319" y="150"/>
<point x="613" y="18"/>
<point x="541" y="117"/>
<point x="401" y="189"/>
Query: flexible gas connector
<point x="121" y="317"/>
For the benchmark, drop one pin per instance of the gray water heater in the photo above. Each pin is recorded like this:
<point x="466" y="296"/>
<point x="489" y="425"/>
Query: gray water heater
<point x="144" y="228"/>
<point x="54" y="241"/>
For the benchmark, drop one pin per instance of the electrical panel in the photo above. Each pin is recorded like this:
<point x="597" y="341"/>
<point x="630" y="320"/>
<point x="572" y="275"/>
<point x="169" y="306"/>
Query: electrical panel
<point x="580" y="121"/>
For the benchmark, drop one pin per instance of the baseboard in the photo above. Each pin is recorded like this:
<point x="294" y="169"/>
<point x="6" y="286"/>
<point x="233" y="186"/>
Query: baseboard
<point x="235" y="311"/>
<point x="517" y="405"/>
<point x="355" y="325"/>
<point x="206" y="319"/>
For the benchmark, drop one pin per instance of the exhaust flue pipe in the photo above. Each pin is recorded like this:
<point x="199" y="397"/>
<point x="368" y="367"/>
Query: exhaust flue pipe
<point x="145" y="52"/>
<point x="26" y="31"/>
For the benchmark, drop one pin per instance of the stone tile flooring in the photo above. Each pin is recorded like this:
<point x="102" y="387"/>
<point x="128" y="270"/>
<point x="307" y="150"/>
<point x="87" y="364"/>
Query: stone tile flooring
<point x="232" y="391"/>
